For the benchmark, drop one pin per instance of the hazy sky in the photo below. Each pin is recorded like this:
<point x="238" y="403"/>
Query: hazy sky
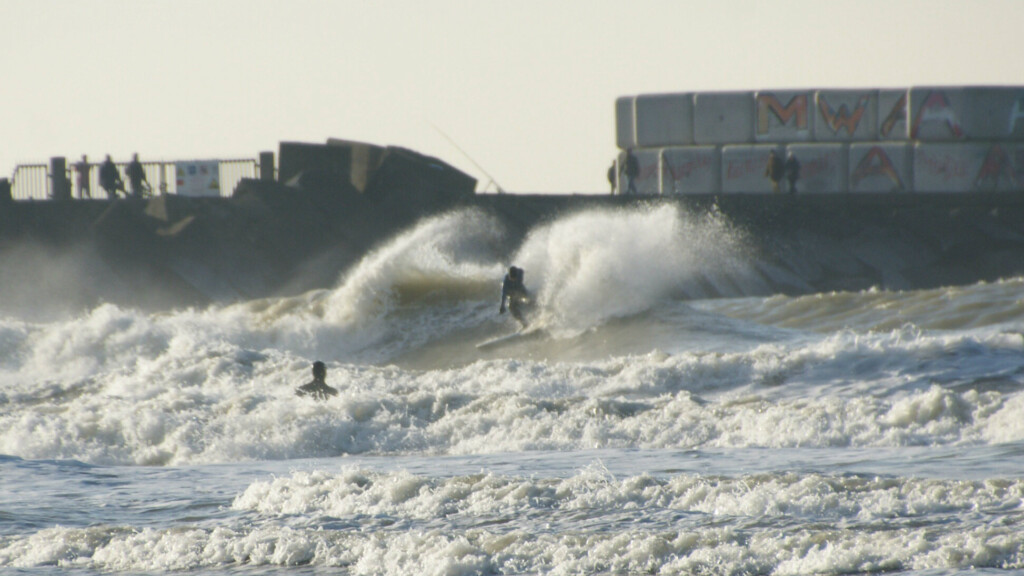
<point x="527" y="88"/>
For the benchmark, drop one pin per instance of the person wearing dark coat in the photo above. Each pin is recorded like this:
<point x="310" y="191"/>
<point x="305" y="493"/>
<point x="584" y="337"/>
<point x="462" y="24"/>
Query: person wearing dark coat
<point x="136" y="176"/>
<point x="792" y="169"/>
<point x="774" y="170"/>
<point x="631" y="169"/>
<point x="110" y="178"/>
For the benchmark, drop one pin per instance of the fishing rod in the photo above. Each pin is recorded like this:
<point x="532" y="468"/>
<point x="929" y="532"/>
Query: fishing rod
<point x="478" y="167"/>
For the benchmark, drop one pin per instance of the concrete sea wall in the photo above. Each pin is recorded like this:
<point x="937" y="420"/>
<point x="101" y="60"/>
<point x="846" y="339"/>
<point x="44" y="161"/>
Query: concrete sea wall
<point x="270" y="239"/>
<point x="919" y="139"/>
<point x="341" y="199"/>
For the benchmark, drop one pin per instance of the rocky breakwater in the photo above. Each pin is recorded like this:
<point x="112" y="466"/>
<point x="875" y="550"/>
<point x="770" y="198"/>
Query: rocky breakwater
<point x="801" y="244"/>
<point x="334" y="202"/>
<point x="330" y="206"/>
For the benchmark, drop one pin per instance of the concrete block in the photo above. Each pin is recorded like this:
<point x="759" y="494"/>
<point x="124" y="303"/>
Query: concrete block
<point x="743" y="168"/>
<point x="625" y="121"/>
<point x="962" y="167"/>
<point x="664" y="120"/>
<point x="690" y="170"/>
<point x="994" y="113"/>
<point x="1002" y="169"/>
<point x="327" y="164"/>
<point x="893" y="111"/>
<point x="723" y="118"/>
<point x="845" y="115"/>
<point x="783" y="116"/>
<point x="822" y="167"/>
<point x="879" y="167"/>
<point x="937" y="113"/>
<point x="648" y="181"/>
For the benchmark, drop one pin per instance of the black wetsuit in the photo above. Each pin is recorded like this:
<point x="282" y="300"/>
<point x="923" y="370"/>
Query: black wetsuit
<point x="318" y="389"/>
<point x="514" y="294"/>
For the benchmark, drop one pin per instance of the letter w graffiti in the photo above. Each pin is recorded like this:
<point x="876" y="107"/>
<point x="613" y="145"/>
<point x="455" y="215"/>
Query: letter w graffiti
<point x="797" y="107"/>
<point x="842" y="118"/>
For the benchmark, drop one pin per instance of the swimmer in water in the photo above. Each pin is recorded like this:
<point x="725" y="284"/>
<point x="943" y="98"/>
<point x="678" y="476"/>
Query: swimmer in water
<point x="318" y="388"/>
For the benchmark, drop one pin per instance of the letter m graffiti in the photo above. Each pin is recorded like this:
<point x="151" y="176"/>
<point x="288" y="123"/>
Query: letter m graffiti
<point x="769" y="106"/>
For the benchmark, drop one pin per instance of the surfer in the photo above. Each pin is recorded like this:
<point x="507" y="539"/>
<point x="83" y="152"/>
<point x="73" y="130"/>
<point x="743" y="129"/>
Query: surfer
<point x="318" y="388"/>
<point x="514" y="295"/>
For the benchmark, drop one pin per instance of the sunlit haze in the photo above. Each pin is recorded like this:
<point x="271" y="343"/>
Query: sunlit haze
<point x="525" y="89"/>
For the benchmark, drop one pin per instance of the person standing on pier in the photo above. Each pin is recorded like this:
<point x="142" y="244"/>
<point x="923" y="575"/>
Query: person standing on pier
<point x="792" y="168"/>
<point x="110" y="178"/>
<point x="631" y="168"/>
<point x="82" y="173"/>
<point x="774" y="170"/>
<point x="136" y="176"/>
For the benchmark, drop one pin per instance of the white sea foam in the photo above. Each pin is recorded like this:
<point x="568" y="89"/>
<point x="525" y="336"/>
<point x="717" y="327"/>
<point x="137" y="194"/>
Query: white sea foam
<point x="834" y="433"/>
<point x="131" y="389"/>
<point x="399" y="494"/>
<point x="399" y="523"/>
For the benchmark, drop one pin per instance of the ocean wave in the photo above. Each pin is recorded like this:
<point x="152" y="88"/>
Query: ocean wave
<point x="366" y="522"/>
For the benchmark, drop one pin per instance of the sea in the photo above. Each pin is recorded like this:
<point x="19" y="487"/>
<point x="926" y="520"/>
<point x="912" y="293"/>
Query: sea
<point x="666" y="413"/>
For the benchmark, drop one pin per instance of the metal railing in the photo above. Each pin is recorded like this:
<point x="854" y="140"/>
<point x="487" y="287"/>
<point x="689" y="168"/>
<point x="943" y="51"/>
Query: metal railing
<point x="34" y="181"/>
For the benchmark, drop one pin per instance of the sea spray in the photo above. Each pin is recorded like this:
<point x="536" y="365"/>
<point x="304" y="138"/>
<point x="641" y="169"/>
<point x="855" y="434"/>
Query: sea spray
<point x="597" y="265"/>
<point x="455" y="253"/>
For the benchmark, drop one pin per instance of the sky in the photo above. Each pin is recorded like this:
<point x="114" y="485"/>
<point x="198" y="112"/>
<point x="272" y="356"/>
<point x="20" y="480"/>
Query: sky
<point x="519" y="92"/>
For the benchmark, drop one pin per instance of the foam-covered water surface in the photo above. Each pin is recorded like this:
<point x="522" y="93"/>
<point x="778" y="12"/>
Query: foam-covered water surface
<point x="667" y="417"/>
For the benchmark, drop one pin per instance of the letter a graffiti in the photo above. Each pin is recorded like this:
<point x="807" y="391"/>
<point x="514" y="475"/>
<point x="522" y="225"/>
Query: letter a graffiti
<point x="876" y="163"/>
<point x="995" y="166"/>
<point x="936" y="108"/>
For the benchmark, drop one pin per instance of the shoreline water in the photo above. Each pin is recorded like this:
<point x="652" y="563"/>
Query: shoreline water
<point x="651" y="431"/>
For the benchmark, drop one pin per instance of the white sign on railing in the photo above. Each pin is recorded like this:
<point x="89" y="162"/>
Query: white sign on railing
<point x="197" y="178"/>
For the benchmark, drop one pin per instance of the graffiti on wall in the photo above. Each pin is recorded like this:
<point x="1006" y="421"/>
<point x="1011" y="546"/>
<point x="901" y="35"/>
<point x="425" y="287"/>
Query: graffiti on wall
<point x="936" y="110"/>
<point x="896" y="116"/>
<point x="769" y="106"/>
<point x="927" y="139"/>
<point x="994" y="169"/>
<point x="876" y="162"/>
<point x="843" y="118"/>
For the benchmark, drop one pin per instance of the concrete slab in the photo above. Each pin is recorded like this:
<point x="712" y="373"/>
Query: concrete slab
<point x="690" y="170"/>
<point x="625" y="122"/>
<point x="723" y="118"/>
<point x="961" y="167"/>
<point x="743" y="168"/>
<point x="936" y="113"/>
<point x="845" y="115"/>
<point x="1002" y="169"/>
<point x="783" y="116"/>
<point x="648" y="181"/>
<point x="893" y="111"/>
<point x="664" y="120"/>
<point x="879" y="167"/>
<point x="822" y="167"/>
<point x="994" y="113"/>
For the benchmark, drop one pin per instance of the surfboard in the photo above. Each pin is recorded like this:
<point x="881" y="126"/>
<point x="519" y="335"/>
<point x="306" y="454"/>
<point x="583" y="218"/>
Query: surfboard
<point x="506" y="339"/>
